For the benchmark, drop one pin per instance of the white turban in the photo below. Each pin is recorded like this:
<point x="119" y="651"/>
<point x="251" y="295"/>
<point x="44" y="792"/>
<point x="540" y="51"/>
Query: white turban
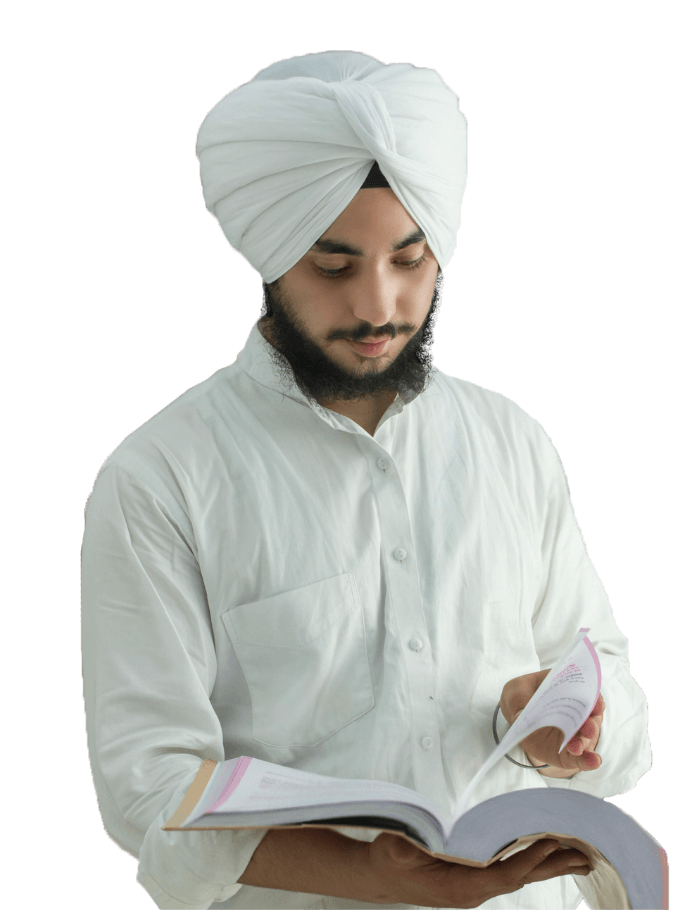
<point x="284" y="154"/>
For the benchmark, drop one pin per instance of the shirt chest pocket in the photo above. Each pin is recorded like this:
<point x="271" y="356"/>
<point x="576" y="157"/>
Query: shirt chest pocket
<point x="304" y="656"/>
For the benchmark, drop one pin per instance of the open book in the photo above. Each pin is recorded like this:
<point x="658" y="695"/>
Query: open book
<point x="629" y="868"/>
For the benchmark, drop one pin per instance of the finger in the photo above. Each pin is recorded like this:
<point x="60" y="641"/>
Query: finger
<point x="598" y="708"/>
<point x="575" y="746"/>
<point x="588" y="729"/>
<point x="542" y="860"/>
<point x="578" y="746"/>
<point x="560" y="862"/>
<point x="517" y="867"/>
<point x="586" y="737"/>
<point x="583" y="758"/>
<point x="591" y="761"/>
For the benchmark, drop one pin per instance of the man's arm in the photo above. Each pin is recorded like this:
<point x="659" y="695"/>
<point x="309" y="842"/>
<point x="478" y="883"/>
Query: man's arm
<point x="312" y="860"/>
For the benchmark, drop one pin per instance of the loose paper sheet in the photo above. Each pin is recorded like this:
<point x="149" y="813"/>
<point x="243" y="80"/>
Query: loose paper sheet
<point x="565" y="700"/>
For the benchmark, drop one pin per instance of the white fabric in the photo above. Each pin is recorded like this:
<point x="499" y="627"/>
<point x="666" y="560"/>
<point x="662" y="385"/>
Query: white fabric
<point x="284" y="154"/>
<point x="262" y="577"/>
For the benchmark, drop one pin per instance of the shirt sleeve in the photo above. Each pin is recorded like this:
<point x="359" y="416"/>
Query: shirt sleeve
<point x="149" y="666"/>
<point x="572" y="596"/>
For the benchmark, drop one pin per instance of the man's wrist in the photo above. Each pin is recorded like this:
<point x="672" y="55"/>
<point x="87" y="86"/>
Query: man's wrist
<point x="561" y="773"/>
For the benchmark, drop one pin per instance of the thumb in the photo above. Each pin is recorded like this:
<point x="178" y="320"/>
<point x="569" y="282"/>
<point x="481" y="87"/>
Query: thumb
<point x="398" y="849"/>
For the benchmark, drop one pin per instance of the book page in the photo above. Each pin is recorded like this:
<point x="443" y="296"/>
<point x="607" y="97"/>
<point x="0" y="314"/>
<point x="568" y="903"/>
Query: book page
<point x="565" y="700"/>
<point x="251" y="785"/>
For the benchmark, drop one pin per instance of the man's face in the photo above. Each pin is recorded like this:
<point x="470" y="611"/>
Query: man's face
<point x="382" y="293"/>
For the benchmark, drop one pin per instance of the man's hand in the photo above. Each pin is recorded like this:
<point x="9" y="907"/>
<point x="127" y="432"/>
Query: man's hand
<point x="403" y="874"/>
<point x="542" y="746"/>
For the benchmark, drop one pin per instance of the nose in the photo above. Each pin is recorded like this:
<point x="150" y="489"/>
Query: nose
<point x="375" y="297"/>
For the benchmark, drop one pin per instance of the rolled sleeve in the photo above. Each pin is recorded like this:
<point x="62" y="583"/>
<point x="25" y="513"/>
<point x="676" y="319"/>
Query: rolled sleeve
<point x="149" y="665"/>
<point x="170" y="871"/>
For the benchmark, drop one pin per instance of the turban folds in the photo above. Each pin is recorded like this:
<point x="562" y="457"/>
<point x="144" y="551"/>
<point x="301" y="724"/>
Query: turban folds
<point x="284" y="154"/>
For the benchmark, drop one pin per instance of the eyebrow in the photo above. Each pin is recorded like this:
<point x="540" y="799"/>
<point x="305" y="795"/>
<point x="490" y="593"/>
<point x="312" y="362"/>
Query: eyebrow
<point x="326" y="245"/>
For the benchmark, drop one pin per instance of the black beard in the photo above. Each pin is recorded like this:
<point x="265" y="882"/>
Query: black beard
<point x="298" y="359"/>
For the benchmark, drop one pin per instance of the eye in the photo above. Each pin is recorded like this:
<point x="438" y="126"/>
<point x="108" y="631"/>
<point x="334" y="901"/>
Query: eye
<point x="337" y="273"/>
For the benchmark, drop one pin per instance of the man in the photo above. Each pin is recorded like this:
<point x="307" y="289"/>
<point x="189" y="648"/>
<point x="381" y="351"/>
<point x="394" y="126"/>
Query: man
<point x="333" y="556"/>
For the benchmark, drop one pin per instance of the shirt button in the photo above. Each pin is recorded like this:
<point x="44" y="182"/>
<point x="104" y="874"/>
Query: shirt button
<point x="427" y="742"/>
<point x="382" y="463"/>
<point x="400" y="554"/>
<point x="416" y="644"/>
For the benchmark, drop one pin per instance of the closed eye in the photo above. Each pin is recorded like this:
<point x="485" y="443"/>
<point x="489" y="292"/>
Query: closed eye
<point x="337" y="273"/>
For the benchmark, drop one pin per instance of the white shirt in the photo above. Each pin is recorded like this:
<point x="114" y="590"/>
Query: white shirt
<point x="262" y="577"/>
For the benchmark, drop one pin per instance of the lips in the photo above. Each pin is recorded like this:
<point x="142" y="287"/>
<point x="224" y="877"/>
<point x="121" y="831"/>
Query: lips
<point x="371" y="350"/>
